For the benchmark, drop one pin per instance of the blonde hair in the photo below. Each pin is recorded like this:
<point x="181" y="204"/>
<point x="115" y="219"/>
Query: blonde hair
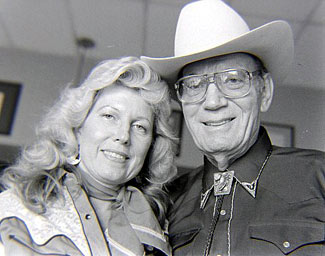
<point x="38" y="173"/>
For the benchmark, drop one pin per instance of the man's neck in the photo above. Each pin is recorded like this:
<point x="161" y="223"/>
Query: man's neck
<point x="221" y="161"/>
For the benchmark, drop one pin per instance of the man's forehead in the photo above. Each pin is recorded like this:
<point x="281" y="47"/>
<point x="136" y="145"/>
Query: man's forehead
<point x="220" y="63"/>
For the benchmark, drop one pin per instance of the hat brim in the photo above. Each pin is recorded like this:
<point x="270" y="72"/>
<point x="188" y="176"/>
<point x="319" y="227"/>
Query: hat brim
<point x="272" y="43"/>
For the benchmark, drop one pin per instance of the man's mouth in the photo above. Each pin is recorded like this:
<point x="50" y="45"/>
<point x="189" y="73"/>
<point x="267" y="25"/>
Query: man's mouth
<point x="218" y="123"/>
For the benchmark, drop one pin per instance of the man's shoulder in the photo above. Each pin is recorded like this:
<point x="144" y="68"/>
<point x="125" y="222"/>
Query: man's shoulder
<point x="298" y="151"/>
<point x="310" y="157"/>
<point x="300" y="171"/>
<point x="184" y="215"/>
<point x="187" y="179"/>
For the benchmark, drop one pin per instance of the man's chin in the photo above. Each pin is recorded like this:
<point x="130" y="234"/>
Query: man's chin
<point x="214" y="148"/>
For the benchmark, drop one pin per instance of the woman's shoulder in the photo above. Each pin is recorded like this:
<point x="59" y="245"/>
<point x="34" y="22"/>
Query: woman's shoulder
<point x="12" y="205"/>
<point x="58" y="219"/>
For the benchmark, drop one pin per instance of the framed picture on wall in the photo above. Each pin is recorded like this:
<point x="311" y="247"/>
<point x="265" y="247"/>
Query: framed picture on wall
<point x="281" y="134"/>
<point x="9" y="96"/>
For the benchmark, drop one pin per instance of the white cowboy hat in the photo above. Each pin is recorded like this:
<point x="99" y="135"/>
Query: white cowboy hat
<point x="209" y="28"/>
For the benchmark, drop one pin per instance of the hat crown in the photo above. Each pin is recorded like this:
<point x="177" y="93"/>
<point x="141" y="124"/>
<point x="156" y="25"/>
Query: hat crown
<point x="205" y="24"/>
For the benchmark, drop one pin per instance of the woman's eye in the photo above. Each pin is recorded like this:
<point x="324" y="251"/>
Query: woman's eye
<point x="108" y="116"/>
<point x="140" y="128"/>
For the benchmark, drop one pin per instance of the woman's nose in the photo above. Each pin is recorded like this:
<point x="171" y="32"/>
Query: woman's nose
<point x="122" y="135"/>
<point x="214" y="98"/>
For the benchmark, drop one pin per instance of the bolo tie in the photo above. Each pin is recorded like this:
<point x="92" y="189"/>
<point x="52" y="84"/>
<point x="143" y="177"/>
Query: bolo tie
<point x="222" y="186"/>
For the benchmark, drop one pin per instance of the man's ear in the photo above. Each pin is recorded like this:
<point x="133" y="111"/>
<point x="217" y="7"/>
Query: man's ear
<point x="267" y="93"/>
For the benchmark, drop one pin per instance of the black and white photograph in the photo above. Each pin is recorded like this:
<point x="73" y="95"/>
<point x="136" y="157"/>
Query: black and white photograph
<point x="162" y="127"/>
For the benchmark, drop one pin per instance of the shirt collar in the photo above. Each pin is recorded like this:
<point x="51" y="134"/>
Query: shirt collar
<point x="246" y="167"/>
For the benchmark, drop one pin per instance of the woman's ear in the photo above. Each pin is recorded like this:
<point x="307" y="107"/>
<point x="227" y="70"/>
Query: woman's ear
<point x="267" y="93"/>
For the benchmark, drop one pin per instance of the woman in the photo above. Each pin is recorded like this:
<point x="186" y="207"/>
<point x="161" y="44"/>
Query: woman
<point x="92" y="183"/>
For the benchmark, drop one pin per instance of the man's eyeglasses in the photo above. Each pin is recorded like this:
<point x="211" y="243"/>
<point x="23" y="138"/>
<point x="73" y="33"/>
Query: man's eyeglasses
<point x="232" y="83"/>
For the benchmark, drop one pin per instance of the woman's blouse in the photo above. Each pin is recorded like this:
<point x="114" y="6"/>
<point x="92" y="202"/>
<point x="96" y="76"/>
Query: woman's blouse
<point x="72" y="227"/>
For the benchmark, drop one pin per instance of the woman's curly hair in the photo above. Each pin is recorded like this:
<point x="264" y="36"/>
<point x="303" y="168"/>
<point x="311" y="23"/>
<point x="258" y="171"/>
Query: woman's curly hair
<point x="38" y="173"/>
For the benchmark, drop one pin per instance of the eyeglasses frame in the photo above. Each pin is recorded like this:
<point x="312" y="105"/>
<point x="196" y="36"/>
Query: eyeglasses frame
<point x="207" y="75"/>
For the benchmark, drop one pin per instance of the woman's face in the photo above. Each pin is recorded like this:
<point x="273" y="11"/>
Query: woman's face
<point x="115" y="137"/>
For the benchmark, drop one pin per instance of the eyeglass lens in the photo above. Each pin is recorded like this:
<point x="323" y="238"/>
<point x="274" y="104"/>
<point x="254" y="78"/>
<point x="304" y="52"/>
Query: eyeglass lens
<point x="231" y="83"/>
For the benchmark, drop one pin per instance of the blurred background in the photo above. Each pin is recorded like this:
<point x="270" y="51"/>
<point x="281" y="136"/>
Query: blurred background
<point x="45" y="44"/>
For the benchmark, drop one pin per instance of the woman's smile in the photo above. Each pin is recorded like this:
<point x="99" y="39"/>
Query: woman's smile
<point x="115" y="156"/>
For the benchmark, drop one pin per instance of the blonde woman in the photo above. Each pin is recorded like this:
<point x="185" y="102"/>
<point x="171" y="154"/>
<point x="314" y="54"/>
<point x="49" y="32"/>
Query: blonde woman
<point x="93" y="181"/>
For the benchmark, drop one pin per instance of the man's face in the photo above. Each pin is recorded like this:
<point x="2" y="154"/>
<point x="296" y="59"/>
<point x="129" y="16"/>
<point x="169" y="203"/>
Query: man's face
<point x="219" y="124"/>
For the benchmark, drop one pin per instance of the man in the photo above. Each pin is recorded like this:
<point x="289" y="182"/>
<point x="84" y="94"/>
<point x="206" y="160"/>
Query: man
<point x="249" y="198"/>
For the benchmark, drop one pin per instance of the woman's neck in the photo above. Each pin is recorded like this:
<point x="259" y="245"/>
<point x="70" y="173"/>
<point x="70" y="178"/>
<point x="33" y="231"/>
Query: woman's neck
<point x="101" y="196"/>
<point x="96" y="188"/>
<point x="102" y="209"/>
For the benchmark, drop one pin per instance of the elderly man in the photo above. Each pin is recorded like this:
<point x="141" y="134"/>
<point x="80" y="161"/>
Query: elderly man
<point x="249" y="198"/>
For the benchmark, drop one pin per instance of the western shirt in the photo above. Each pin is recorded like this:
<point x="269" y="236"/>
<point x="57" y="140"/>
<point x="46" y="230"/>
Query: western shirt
<point x="287" y="216"/>
<point x="73" y="228"/>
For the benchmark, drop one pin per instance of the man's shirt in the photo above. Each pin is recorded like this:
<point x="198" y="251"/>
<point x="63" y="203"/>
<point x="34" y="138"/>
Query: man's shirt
<point x="287" y="216"/>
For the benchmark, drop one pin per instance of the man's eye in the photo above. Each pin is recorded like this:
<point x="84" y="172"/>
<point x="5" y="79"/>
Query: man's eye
<point x="234" y="80"/>
<point x="192" y="83"/>
<point x="192" y="86"/>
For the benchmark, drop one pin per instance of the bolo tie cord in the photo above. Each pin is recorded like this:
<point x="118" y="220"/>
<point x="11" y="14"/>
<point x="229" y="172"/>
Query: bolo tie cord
<point x="215" y="218"/>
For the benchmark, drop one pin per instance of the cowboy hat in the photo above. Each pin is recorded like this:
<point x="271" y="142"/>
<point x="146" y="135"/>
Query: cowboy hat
<point x="209" y="28"/>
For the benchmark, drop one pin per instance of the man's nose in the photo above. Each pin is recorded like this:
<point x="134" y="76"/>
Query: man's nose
<point x="214" y="98"/>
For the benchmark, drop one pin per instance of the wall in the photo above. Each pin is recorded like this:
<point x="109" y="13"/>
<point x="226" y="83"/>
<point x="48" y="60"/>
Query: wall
<point x="43" y="76"/>
<point x="304" y="109"/>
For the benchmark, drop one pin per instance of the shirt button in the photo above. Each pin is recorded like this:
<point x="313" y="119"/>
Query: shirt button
<point x="286" y="244"/>
<point x="87" y="216"/>
<point x="223" y="212"/>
